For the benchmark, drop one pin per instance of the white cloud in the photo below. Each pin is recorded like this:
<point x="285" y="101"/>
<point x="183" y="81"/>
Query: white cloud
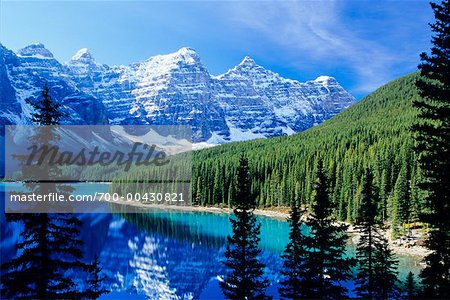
<point x="316" y="30"/>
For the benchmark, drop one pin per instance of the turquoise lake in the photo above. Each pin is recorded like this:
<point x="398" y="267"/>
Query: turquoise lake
<point x="169" y="254"/>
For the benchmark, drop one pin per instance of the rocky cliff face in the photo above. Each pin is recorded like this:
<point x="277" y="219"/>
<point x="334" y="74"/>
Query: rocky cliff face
<point x="246" y="102"/>
<point x="10" y="107"/>
<point x="24" y="75"/>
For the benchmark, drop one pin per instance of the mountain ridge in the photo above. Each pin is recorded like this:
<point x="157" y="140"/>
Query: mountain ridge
<point x="246" y="102"/>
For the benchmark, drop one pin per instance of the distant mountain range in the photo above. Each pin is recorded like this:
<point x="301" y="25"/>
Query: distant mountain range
<point x="244" y="103"/>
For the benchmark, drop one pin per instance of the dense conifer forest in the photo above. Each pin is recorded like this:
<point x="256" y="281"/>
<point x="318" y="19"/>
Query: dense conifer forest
<point x="373" y="133"/>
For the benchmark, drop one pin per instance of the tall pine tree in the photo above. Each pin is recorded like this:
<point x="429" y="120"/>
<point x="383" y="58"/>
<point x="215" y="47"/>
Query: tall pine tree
<point x="95" y="281"/>
<point x="386" y="271"/>
<point x="245" y="277"/>
<point x="294" y="258"/>
<point x="376" y="278"/>
<point x="433" y="146"/>
<point x="402" y="193"/>
<point x="410" y="287"/>
<point x="365" y="250"/>
<point x="326" y="266"/>
<point x="49" y="244"/>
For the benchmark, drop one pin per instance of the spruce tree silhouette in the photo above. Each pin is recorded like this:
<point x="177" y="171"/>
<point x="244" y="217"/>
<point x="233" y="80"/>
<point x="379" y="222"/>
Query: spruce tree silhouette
<point x="433" y="148"/>
<point x="326" y="267"/>
<point x="244" y="279"/>
<point x="411" y="287"/>
<point x="95" y="280"/>
<point x="294" y="257"/>
<point x="50" y="243"/>
<point x="377" y="275"/>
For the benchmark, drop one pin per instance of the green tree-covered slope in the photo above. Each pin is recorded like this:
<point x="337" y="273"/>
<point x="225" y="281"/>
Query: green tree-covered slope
<point x="374" y="133"/>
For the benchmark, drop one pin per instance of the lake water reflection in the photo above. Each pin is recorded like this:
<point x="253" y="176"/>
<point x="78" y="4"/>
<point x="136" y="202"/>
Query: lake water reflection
<point x="169" y="254"/>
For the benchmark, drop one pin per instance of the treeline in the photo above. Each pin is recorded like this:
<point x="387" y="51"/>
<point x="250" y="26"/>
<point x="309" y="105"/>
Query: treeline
<point x="374" y="133"/>
<point x="315" y="264"/>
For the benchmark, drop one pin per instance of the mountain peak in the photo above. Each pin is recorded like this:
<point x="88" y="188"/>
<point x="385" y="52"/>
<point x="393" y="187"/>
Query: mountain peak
<point x="187" y="51"/>
<point x="247" y="68"/>
<point x="247" y="102"/>
<point x="82" y="55"/>
<point x="248" y="61"/>
<point x="35" y="50"/>
<point x="187" y="55"/>
<point x="325" y="80"/>
<point x="183" y="55"/>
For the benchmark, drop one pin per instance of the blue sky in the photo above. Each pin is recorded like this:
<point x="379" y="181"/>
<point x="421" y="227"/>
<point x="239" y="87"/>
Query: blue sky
<point x="364" y="44"/>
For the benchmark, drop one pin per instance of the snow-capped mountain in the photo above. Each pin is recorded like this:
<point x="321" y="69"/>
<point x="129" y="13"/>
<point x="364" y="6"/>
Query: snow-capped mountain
<point x="246" y="102"/>
<point x="23" y="75"/>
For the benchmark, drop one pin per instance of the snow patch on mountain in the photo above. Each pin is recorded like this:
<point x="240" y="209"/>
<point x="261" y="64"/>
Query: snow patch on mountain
<point x="36" y="50"/>
<point x="82" y="54"/>
<point x="246" y="102"/>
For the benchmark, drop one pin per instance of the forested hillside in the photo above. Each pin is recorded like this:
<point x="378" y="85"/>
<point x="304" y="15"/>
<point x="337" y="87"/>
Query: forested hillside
<point x="375" y="133"/>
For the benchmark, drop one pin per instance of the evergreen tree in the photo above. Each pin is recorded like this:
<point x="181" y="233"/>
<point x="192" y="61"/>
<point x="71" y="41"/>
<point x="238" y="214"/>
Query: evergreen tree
<point x="410" y="287"/>
<point x="95" y="280"/>
<point x="416" y="195"/>
<point x="433" y="146"/>
<point x="402" y="195"/>
<point x="386" y="271"/>
<point x="50" y="243"/>
<point x="47" y="111"/>
<point x="198" y="193"/>
<point x="383" y="194"/>
<point x="326" y="266"/>
<point x="245" y="277"/>
<point x="365" y="278"/>
<point x="293" y="258"/>
<point x="376" y="278"/>
<point x="395" y="216"/>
